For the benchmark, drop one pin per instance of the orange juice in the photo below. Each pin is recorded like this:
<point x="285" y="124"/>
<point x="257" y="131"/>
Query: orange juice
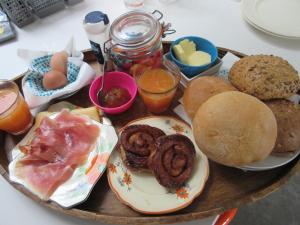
<point x="15" y="116"/>
<point x="157" y="88"/>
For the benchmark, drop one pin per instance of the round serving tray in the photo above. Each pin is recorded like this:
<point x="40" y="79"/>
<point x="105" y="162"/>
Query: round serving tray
<point x="225" y="189"/>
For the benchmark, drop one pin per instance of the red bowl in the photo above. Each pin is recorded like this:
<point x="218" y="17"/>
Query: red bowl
<point x="114" y="79"/>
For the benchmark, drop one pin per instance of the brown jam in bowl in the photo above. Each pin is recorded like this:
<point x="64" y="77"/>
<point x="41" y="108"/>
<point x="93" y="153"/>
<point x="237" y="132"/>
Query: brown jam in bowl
<point x="115" y="97"/>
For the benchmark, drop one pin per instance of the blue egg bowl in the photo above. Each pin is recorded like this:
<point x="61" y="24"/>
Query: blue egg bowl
<point x="201" y="45"/>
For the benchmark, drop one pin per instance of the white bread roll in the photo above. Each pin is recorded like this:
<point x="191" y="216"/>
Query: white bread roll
<point x="235" y="129"/>
<point x="201" y="89"/>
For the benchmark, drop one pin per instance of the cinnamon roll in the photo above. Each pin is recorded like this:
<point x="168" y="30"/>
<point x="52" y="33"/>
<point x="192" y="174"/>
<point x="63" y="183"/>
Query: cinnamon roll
<point x="173" y="162"/>
<point x="137" y="144"/>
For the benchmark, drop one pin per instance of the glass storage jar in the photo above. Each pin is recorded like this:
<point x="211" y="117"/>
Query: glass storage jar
<point x="136" y="41"/>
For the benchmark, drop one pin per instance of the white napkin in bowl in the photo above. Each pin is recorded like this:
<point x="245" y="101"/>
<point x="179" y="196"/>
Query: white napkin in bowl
<point x="79" y="75"/>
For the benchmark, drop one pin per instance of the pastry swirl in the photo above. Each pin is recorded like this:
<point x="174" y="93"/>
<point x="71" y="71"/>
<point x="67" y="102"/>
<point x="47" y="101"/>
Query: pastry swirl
<point x="173" y="162"/>
<point x="137" y="144"/>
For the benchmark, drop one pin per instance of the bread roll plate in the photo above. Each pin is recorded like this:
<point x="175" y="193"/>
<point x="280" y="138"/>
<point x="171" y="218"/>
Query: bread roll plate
<point x="216" y="133"/>
<point x="202" y="90"/>
<point x="288" y="143"/>
<point x="271" y="162"/>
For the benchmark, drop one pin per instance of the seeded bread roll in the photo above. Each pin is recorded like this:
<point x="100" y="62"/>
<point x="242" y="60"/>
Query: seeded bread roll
<point x="235" y="129"/>
<point x="265" y="77"/>
<point x="287" y="115"/>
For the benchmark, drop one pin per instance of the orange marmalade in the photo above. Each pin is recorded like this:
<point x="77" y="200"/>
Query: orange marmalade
<point x="157" y="88"/>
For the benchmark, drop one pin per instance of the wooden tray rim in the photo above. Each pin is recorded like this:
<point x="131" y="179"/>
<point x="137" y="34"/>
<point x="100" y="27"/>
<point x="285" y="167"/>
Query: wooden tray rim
<point x="158" y="219"/>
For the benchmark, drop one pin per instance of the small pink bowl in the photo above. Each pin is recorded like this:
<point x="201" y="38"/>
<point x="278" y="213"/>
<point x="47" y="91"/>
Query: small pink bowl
<point x="114" y="79"/>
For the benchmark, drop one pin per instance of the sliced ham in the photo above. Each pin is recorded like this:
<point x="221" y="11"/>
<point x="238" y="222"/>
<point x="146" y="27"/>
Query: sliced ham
<point x="58" y="147"/>
<point x="42" y="177"/>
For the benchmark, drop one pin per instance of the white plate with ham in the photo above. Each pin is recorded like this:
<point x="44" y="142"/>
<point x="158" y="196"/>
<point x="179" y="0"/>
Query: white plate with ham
<point x="63" y="158"/>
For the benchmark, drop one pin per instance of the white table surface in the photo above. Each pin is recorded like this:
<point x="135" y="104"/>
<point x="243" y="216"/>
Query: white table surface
<point x="217" y="20"/>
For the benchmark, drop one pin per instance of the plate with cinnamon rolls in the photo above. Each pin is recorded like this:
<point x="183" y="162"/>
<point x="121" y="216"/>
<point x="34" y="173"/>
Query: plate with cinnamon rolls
<point x="157" y="167"/>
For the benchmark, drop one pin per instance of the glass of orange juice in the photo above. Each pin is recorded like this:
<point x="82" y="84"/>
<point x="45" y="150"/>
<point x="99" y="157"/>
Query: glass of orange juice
<point x="15" y="116"/>
<point x="157" y="86"/>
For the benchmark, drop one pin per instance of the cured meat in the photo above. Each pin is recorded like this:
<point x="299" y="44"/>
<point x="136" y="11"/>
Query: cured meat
<point x="42" y="177"/>
<point x="58" y="147"/>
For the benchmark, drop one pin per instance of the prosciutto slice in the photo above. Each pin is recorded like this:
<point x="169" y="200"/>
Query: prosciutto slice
<point x="42" y="177"/>
<point x="59" y="146"/>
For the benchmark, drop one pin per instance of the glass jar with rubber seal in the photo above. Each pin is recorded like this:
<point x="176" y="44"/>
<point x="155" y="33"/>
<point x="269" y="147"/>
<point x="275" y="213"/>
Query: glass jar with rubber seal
<point x="135" y="41"/>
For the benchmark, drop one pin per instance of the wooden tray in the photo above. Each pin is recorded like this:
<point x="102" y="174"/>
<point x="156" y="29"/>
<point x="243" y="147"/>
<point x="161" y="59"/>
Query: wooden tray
<point x="226" y="187"/>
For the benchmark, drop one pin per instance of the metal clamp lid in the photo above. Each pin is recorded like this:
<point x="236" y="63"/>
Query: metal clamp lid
<point x="165" y="26"/>
<point x="121" y="33"/>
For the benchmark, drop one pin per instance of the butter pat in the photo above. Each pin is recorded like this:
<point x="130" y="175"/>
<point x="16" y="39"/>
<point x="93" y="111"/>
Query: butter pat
<point x="188" y="46"/>
<point x="198" y="58"/>
<point x="183" y="49"/>
<point x="180" y="54"/>
<point x="185" y="52"/>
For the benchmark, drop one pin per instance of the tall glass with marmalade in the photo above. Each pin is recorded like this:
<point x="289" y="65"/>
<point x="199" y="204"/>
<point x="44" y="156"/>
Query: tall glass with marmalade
<point x="157" y="85"/>
<point x="15" y="117"/>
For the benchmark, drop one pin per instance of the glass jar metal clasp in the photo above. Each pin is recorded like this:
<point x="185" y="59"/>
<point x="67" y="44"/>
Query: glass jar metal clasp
<point x="166" y="27"/>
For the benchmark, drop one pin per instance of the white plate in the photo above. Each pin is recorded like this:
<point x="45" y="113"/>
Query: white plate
<point x="268" y="32"/>
<point x="271" y="162"/>
<point x="141" y="191"/>
<point x="276" y="17"/>
<point x="78" y="187"/>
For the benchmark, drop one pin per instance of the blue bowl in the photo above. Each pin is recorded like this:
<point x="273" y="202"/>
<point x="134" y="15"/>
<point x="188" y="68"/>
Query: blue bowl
<point x="201" y="45"/>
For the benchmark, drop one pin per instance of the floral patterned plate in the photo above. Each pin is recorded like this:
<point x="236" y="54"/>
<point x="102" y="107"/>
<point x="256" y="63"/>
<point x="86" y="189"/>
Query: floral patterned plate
<point x="141" y="191"/>
<point x="78" y="187"/>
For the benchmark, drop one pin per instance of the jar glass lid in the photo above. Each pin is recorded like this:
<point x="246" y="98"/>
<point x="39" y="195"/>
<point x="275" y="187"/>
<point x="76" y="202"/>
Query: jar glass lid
<point x="134" y="28"/>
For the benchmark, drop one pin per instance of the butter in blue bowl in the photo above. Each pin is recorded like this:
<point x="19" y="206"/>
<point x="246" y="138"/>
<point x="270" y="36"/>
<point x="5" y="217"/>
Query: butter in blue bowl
<point x="186" y="52"/>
